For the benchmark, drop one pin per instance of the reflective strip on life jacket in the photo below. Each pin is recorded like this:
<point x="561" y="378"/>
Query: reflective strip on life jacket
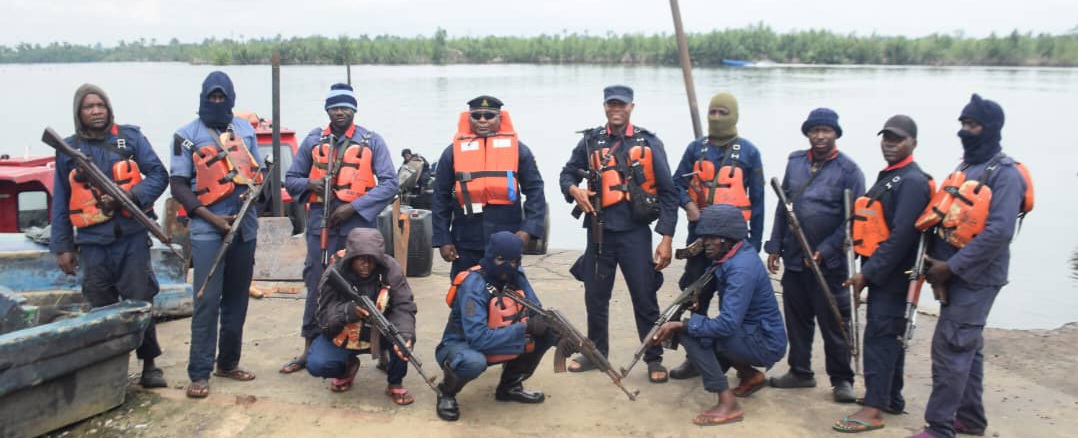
<point x="726" y="186"/>
<point x="485" y="168"/>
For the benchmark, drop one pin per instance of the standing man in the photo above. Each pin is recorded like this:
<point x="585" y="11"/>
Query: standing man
<point x="722" y="168"/>
<point x="115" y="248"/>
<point x="630" y="165"/>
<point x="747" y="332"/>
<point x="364" y="183"/>
<point x="333" y="354"/>
<point x="212" y="192"/>
<point x="884" y="237"/>
<point x="814" y="182"/>
<point x="487" y="328"/>
<point x="972" y="273"/>
<point x="477" y="186"/>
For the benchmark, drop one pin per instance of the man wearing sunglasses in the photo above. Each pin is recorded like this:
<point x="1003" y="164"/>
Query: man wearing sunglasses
<point x="478" y="185"/>
<point x="630" y="165"/>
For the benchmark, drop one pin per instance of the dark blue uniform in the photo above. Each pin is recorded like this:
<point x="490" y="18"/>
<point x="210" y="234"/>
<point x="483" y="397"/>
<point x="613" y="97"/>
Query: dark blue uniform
<point x="885" y="273"/>
<point x="469" y="234"/>
<point x="816" y="191"/>
<point x="467" y="338"/>
<point x="115" y="254"/>
<point x="748" y="329"/>
<point x="225" y="297"/>
<point x="366" y="208"/>
<point x="980" y="271"/>
<point x="752" y="172"/>
<point x="625" y="242"/>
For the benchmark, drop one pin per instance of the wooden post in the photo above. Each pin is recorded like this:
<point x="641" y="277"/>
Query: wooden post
<point x="275" y="179"/>
<point x="686" y="68"/>
<point x="400" y="239"/>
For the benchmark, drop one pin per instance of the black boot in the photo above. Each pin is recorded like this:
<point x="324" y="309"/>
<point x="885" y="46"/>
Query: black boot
<point x="514" y="373"/>
<point x="684" y="371"/>
<point x="447" y="407"/>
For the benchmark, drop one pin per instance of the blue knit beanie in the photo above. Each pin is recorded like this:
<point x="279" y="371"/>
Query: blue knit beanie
<point x="822" y="117"/>
<point x="341" y="95"/>
<point x="722" y="220"/>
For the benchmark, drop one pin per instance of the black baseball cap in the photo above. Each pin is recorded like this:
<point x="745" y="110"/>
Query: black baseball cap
<point x="900" y="125"/>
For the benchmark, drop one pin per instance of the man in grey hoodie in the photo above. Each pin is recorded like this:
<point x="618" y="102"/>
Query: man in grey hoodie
<point x="364" y="264"/>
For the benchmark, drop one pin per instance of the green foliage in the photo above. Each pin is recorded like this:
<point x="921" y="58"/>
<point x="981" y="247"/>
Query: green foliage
<point x="757" y="42"/>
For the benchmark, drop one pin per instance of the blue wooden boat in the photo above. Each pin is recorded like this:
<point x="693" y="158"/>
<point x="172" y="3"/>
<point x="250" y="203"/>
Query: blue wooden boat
<point x="737" y="63"/>
<point x="55" y="374"/>
<point x="30" y="270"/>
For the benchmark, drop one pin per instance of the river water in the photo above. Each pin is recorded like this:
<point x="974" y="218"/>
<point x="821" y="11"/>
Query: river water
<point x="416" y="107"/>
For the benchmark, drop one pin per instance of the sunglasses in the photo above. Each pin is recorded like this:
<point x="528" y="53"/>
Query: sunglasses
<point x="484" y="115"/>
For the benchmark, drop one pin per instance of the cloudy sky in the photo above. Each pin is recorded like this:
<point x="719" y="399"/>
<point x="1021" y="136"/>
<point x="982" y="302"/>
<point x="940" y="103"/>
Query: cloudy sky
<point x="108" y="21"/>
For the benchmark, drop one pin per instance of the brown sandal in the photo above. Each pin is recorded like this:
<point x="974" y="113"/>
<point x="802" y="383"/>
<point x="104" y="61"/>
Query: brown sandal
<point x="400" y="396"/>
<point x="235" y="374"/>
<point x="709" y="419"/>
<point x="749" y="386"/>
<point x="198" y="389"/>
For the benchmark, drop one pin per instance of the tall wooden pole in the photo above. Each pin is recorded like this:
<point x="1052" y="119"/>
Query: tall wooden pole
<point x="275" y="179"/>
<point x="686" y="68"/>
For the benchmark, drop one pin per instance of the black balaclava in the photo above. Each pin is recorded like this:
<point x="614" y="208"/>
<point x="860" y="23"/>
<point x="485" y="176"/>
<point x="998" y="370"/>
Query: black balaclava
<point x="216" y="115"/>
<point x="509" y="247"/>
<point x="981" y="148"/>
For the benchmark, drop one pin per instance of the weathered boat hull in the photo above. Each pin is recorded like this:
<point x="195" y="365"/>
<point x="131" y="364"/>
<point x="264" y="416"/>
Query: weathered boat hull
<point x="56" y="374"/>
<point x="30" y="270"/>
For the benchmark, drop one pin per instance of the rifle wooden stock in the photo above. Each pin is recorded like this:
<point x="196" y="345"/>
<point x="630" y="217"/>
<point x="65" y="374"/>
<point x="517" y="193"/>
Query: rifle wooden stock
<point x="802" y="241"/>
<point x="572" y="341"/>
<point x="252" y="194"/>
<point x="854" y="326"/>
<point x="102" y="182"/>
<point x="672" y="313"/>
<point x="379" y="321"/>
<point x="333" y="164"/>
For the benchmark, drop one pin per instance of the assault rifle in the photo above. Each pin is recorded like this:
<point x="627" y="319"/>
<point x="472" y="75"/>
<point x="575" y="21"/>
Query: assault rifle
<point x="105" y="184"/>
<point x="694" y="248"/>
<point x="380" y="323"/>
<point x="333" y="168"/>
<point x="597" y="220"/>
<point x="913" y="292"/>
<point x="795" y="228"/>
<point x="253" y="192"/>
<point x="572" y="341"/>
<point x="683" y="302"/>
<point x="854" y="326"/>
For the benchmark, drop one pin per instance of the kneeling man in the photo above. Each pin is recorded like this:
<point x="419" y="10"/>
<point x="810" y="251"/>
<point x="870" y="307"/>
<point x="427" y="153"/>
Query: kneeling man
<point x="747" y="333"/>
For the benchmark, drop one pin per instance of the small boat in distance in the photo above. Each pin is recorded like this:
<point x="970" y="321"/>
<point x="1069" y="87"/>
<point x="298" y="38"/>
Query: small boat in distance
<point x="737" y="63"/>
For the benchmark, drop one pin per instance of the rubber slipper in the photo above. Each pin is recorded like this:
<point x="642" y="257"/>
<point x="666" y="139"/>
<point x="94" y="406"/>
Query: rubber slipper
<point x="400" y="396"/>
<point x="656" y="367"/>
<point x="583" y="364"/>
<point x="754" y="384"/>
<point x="198" y="389"/>
<point x="235" y="374"/>
<point x="293" y="365"/>
<point x="706" y="419"/>
<point x="847" y="425"/>
<point x="342" y="384"/>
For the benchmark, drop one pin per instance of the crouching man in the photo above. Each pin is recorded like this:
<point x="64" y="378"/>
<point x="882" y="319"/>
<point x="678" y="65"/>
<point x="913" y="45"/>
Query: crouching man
<point x="486" y="327"/>
<point x="747" y="333"/>
<point x="364" y="264"/>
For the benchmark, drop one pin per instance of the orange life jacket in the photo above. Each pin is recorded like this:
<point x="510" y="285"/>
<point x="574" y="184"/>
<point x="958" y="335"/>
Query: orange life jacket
<point x="961" y="210"/>
<point x="502" y="311"/>
<point x="615" y="175"/>
<point x="485" y="168"/>
<point x="869" y="222"/>
<point x="349" y="337"/>
<point x="221" y="165"/>
<point x="356" y="174"/>
<point x="725" y="186"/>
<point x="84" y="204"/>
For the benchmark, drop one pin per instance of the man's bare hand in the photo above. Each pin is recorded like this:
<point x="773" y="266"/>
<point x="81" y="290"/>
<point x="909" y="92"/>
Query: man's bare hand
<point x="692" y="211"/>
<point x="400" y="353"/>
<point x="340" y="214"/>
<point x="68" y="262"/>
<point x="582" y="198"/>
<point x="524" y="236"/>
<point x="448" y="252"/>
<point x="317" y="186"/>
<point x="773" y="263"/>
<point x="666" y="331"/>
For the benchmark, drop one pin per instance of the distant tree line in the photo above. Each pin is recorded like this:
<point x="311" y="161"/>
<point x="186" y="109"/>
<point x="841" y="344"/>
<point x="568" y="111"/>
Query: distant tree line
<point x="757" y="43"/>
